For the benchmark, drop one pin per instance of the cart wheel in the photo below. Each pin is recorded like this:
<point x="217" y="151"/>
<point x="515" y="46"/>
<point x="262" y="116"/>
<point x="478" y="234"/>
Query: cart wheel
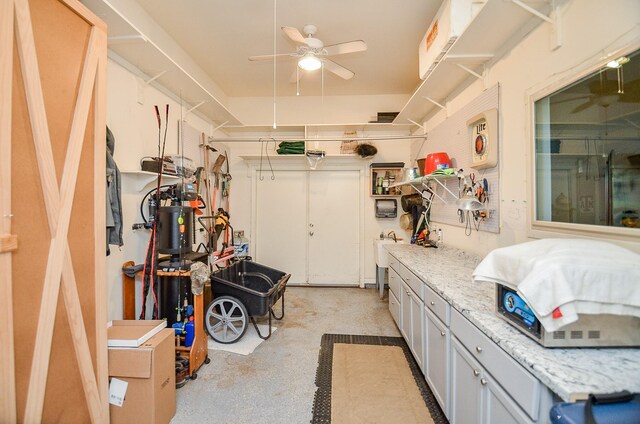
<point x="226" y="319"/>
<point x="207" y="360"/>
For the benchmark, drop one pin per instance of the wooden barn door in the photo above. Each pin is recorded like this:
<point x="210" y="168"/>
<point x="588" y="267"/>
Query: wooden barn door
<point x="53" y="346"/>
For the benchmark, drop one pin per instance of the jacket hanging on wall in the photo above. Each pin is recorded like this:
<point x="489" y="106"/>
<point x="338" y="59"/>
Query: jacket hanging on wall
<point x="114" y="202"/>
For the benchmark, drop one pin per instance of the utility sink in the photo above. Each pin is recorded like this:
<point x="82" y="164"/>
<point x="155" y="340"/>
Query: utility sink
<point x="381" y="254"/>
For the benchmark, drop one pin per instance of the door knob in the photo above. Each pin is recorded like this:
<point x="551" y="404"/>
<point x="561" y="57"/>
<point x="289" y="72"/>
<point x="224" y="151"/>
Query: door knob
<point x="311" y="233"/>
<point x="479" y="349"/>
<point x="310" y="225"/>
<point x="476" y="373"/>
<point x="483" y="381"/>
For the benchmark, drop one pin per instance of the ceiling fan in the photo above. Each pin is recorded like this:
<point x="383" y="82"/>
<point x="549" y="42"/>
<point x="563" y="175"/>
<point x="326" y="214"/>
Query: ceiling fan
<point x="604" y="92"/>
<point x="311" y="52"/>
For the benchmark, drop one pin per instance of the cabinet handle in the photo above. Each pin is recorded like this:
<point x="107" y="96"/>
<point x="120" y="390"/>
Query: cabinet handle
<point x="311" y="233"/>
<point x="476" y="373"/>
<point x="432" y="303"/>
<point x="483" y="381"/>
<point x="442" y="333"/>
<point x="479" y="349"/>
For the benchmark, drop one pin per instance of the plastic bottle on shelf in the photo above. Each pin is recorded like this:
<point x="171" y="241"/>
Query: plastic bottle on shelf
<point x="385" y="183"/>
<point x="190" y="330"/>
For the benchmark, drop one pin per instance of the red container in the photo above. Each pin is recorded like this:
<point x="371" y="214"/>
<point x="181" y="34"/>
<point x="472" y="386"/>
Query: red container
<point x="435" y="161"/>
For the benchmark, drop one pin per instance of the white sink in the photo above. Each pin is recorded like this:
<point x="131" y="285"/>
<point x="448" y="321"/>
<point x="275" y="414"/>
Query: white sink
<point x="381" y="254"/>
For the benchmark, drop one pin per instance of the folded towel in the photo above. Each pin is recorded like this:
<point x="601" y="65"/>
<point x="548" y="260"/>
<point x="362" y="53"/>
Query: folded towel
<point x="562" y="278"/>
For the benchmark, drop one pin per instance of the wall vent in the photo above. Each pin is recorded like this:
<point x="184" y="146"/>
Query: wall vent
<point x="576" y="334"/>
<point x="593" y="334"/>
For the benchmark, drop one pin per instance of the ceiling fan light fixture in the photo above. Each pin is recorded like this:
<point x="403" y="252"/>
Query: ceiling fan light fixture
<point x="309" y="62"/>
<point x="616" y="63"/>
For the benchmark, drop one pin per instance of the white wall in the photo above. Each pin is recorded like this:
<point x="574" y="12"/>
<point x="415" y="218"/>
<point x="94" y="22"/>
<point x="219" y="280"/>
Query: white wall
<point x="136" y="132"/>
<point x="591" y="30"/>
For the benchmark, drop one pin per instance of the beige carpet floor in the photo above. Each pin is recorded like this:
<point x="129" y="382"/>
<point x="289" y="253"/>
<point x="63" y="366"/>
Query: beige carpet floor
<point x="374" y="384"/>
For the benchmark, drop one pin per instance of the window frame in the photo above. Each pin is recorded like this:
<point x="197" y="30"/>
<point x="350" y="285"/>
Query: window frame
<point x="543" y="229"/>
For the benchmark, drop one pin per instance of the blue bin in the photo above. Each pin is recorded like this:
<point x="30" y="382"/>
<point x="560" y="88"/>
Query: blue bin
<point x="626" y="412"/>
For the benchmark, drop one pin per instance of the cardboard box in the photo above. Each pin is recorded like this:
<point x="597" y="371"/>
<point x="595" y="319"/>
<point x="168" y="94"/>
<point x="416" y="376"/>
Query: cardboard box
<point x="132" y="333"/>
<point x="149" y="371"/>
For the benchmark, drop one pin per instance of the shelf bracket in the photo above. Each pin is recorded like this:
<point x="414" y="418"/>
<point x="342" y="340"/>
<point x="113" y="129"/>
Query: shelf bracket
<point x="444" y="186"/>
<point x="633" y="124"/>
<point x="435" y="103"/>
<point x="470" y="71"/>
<point x="219" y="126"/>
<point x="553" y="19"/>
<point x="432" y="191"/>
<point x="152" y="79"/>
<point x="424" y="130"/>
<point x="194" y="107"/>
<point x="127" y="39"/>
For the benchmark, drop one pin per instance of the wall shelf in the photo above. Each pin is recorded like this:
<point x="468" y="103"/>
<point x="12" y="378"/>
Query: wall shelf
<point x="489" y="35"/>
<point x="142" y="179"/>
<point x="300" y="131"/>
<point x="133" y="48"/>
<point x="426" y="183"/>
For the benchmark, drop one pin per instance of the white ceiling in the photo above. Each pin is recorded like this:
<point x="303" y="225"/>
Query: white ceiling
<point x="221" y="34"/>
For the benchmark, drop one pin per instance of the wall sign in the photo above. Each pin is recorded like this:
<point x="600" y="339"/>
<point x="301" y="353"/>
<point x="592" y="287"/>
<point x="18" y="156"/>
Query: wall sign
<point x="483" y="137"/>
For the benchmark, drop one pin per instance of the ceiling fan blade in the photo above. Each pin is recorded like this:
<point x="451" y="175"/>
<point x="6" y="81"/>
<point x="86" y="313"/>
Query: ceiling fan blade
<point x="348" y="47"/>
<point x="269" y="56"/>
<point x="571" y="99"/>
<point x="294" y="34"/>
<point x="584" y="106"/>
<point x="339" y="70"/>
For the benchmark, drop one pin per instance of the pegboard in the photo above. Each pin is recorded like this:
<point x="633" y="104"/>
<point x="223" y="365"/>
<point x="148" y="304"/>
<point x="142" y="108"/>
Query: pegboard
<point x="452" y="137"/>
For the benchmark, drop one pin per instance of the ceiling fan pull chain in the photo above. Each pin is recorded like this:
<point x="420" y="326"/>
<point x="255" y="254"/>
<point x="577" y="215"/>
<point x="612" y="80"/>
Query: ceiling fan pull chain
<point x="275" y="4"/>
<point x="620" y="80"/>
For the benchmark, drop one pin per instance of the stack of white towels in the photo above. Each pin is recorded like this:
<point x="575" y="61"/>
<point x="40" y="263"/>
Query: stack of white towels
<point x="563" y="278"/>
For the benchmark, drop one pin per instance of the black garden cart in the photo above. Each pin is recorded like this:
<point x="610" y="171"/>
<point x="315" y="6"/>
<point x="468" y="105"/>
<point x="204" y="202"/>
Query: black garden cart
<point x="242" y="291"/>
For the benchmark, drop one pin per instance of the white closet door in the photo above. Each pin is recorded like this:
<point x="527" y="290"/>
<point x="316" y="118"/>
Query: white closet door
<point x="281" y="224"/>
<point x="334" y="227"/>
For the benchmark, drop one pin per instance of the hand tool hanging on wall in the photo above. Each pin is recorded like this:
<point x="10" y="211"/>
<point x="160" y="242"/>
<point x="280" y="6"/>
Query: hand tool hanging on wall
<point x="149" y="275"/>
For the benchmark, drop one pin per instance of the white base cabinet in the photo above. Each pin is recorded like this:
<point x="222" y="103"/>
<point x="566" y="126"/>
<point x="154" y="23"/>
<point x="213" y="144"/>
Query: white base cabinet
<point x="476" y="397"/>
<point x="410" y="315"/>
<point x="436" y="369"/>
<point x="471" y="377"/>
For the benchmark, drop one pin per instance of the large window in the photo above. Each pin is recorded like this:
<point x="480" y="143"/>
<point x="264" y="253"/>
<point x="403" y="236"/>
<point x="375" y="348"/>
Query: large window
<point x="587" y="150"/>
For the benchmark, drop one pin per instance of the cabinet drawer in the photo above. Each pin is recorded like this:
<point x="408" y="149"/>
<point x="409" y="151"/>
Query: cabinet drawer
<point x="395" y="284"/>
<point x="394" y="308"/>
<point x="415" y="283"/>
<point x="516" y="381"/>
<point x="437" y="305"/>
<point x="394" y="264"/>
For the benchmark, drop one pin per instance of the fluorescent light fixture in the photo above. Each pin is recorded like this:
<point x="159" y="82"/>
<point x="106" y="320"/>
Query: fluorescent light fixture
<point x="616" y="63"/>
<point x="309" y="62"/>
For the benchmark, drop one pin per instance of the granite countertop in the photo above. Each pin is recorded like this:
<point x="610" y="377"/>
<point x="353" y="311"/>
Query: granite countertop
<point x="571" y="373"/>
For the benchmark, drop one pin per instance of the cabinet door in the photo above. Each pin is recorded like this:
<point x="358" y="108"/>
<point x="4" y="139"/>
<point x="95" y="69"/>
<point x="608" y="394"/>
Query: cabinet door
<point x="417" y="329"/>
<point x="466" y="390"/>
<point x="334" y="227"/>
<point x="281" y="224"/>
<point x="394" y="308"/>
<point x="437" y="359"/>
<point x="498" y="406"/>
<point x="405" y="307"/>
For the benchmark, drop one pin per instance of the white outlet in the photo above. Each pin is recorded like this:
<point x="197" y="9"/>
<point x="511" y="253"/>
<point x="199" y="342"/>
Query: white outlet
<point x="440" y="236"/>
